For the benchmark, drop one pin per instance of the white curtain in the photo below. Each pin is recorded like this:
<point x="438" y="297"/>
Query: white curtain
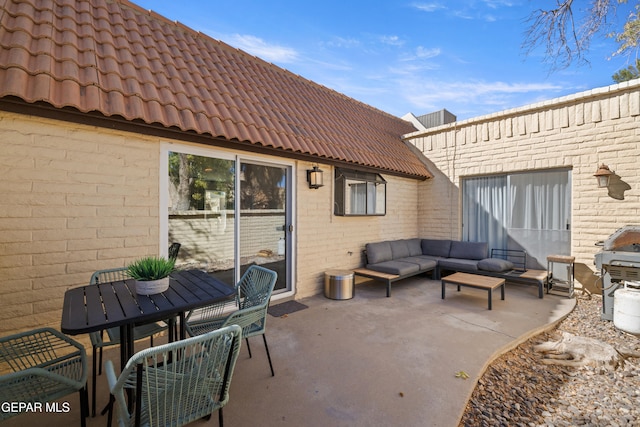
<point x="540" y="215"/>
<point x="539" y="201"/>
<point x="358" y="194"/>
<point x="485" y="210"/>
<point x="526" y="211"/>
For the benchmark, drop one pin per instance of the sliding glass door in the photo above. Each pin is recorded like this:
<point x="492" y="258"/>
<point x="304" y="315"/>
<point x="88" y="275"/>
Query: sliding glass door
<point x="528" y="211"/>
<point x="264" y="222"/>
<point x="229" y="213"/>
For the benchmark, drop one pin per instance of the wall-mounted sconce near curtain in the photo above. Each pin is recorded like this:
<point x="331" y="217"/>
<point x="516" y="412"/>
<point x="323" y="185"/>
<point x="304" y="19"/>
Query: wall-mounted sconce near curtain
<point x="314" y="176"/>
<point x="603" y="174"/>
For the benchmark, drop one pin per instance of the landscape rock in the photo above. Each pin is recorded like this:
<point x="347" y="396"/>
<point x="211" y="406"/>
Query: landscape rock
<point x="532" y="393"/>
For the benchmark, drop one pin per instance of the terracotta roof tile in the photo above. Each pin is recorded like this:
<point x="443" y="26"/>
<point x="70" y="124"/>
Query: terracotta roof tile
<point x="113" y="57"/>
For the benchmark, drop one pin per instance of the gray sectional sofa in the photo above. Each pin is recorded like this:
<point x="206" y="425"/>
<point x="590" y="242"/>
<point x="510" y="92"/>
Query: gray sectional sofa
<point x="394" y="260"/>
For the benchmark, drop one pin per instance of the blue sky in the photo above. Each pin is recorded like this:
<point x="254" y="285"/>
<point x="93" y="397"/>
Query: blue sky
<point x="402" y="56"/>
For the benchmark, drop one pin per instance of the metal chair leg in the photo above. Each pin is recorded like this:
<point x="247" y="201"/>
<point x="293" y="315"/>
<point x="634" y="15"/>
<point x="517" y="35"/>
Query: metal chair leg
<point x="84" y="405"/>
<point x="266" y="346"/>
<point x="109" y="407"/>
<point x="93" y="383"/>
<point x="248" y="346"/>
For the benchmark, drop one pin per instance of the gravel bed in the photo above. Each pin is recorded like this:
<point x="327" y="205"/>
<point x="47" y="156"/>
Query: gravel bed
<point x="517" y="389"/>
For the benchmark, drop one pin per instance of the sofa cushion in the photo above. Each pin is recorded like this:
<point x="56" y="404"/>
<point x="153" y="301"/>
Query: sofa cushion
<point x="415" y="247"/>
<point x="468" y="250"/>
<point x="395" y="267"/>
<point x="424" y="262"/>
<point x="433" y="247"/>
<point x="495" y="265"/>
<point x="458" y="264"/>
<point x="378" y="252"/>
<point x="399" y="249"/>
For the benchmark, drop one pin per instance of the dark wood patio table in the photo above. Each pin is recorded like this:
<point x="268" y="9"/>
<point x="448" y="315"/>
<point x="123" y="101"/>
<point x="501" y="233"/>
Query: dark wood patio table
<point x="94" y="308"/>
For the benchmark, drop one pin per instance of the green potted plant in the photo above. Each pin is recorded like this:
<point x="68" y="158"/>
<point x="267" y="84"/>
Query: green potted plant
<point x="151" y="274"/>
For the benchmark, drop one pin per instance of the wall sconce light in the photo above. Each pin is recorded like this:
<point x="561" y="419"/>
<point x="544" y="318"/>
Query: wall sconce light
<point x="314" y="176"/>
<point x="603" y="174"/>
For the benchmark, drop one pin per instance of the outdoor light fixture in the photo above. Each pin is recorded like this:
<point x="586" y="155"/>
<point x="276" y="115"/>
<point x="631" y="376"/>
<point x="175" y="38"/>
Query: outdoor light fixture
<point x="603" y="174"/>
<point x="314" y="176"/>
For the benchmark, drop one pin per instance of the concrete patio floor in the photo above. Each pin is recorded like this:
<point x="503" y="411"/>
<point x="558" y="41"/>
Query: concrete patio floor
<point x="370" y="360"/>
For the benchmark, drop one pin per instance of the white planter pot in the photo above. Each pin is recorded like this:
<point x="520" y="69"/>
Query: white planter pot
<point x="151" y="287"/>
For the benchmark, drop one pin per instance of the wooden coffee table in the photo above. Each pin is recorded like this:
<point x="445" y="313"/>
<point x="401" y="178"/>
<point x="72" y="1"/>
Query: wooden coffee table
<point x="475" y="281"/>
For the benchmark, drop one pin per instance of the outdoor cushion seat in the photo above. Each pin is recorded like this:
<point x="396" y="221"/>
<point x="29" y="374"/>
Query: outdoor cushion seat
<point x="469" y="250"/>
<point x="400" y="249"/>
<point x="409" y="257"/>
<point x="436" y="248"/>
<point x="378" y="252"/>
<point x="424" y="263"/>
<point x="495" y="265"/>
<point x="456" y="264"/>
<point x="415" y="247"/>
<point x="400" y="268"/>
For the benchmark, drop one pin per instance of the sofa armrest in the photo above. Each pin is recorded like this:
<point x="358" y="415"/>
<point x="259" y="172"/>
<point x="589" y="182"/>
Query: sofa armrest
<point x="517" y="256"/>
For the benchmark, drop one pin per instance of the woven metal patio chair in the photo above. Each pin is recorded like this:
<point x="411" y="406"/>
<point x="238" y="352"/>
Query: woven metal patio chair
<point x="42" y="365"/>
<point x="253" y="293"/>
<point x="176" y="383"/>
<point x="112" y="338"/>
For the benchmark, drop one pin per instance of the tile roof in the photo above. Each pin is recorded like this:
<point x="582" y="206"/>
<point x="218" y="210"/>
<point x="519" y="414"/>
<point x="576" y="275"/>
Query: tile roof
<point x="119" y="60"/>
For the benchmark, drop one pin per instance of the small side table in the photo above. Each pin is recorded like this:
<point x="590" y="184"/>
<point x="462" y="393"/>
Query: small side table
<point x="338" y="284"/>
<point x="556" y="285"/>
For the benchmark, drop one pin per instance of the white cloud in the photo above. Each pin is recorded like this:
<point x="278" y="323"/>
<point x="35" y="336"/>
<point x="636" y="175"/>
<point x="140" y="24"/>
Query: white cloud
<point x="342" y="42"/>
<point x="423" y="52"/>
<point x="392" y="40"/>
<point x="473" y="96"/>
<point x="420" y="53"/>
<point x="494" y="4"/>
<point x="428" y="7"/>
<point x="260" y="48"/>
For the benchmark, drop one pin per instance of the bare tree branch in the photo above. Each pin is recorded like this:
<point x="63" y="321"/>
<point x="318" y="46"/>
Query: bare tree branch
<point x="565" y="40"/>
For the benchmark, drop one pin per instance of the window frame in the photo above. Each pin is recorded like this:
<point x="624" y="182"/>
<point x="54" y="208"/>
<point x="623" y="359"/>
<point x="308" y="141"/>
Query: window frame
<point x="345" y="179"/>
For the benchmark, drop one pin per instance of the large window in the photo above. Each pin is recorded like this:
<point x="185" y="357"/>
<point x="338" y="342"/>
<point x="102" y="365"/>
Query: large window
<point x="528" y="211"/>
<point x="359" y="193"/>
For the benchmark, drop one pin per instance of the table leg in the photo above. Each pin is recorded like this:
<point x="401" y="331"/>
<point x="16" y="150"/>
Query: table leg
<point x="124" y="342"/>
<point x="172" y="328"/>
<point x="443" y="285"/>
<point x="126" y="351"/>
<point x="502" y="292"/>
<point x="183" y="330"/>
<point x="490" y="297"/>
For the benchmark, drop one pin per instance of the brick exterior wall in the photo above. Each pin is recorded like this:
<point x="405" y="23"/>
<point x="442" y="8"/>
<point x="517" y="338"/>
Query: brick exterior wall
<point x="74" y="199"/>
<point x="579" y="132"/>
<point x="326" y="241"/>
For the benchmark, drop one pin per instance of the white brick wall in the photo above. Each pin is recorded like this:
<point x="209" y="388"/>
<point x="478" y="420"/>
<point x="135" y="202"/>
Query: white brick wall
<point x="577" y="132"/>
<point x="72" y="200"/>
<point x="327" y="242"/>
<point x="75" y="199"/>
